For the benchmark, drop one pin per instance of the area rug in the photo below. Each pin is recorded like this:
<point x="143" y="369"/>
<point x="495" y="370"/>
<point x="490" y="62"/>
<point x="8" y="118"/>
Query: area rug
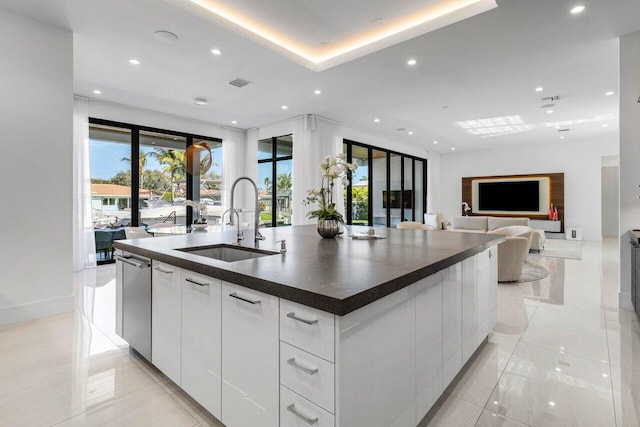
<point x="531" y="272"/>
<point x="560" y="248"/>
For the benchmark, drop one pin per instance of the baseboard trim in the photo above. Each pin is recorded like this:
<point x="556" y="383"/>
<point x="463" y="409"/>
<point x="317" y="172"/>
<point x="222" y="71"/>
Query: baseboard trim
<point x="35" y="310"/>
<point x="624" y="300"/>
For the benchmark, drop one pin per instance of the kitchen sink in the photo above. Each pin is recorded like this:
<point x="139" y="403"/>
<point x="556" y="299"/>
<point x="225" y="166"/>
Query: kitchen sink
<point x="227" y="253"/>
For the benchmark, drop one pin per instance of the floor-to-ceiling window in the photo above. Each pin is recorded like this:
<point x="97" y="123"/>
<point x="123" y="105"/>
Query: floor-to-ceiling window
<point x="387" y="188"/>
<point x="275" y="180"/>
<point x="140" y="176"/>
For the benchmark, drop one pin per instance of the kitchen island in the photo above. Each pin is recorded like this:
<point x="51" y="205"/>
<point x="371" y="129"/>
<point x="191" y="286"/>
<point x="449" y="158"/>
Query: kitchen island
<point x="335" y="332"/>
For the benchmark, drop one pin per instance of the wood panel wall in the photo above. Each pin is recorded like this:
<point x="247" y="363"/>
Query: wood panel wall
<point x="556" y="182"/>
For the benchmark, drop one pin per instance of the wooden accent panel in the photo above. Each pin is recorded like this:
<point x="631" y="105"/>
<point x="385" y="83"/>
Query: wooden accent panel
<point x="556" y="196"/>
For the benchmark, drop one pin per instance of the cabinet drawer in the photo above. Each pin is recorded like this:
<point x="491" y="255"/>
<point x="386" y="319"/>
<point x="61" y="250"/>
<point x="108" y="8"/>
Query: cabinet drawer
<point x="296" y="411"/>
<point x="307" y="328"/>
<point x="307" y="375"/>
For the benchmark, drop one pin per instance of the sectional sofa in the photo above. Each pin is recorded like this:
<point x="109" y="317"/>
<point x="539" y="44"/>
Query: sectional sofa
<point x="484" y="224"/>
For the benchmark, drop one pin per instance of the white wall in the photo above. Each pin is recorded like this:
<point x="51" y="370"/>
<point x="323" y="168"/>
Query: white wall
<point x="629" y="156"/>
<point x="610" y="195"/>
<point x="36" y="118"/>
<point x="579" y="161"/>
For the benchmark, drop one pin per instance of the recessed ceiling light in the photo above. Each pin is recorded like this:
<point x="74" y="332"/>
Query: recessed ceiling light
<point x="200" y="101"/>
<point x="435" y="142"/>
<point x="233" y="122"/>
<point x="97" y="91"/>
<point x="165" y="36"/>
<point x="453" y="148"/>
<point x="410" y="132"/>
<point x="552" y="403"/>
<point x="325" y="45"/>
<point x="412" y="62"/>
<point x="610" y="93"/>
<point x="134" y="61"/>
<point x="605" y="125"/>
<point x="379" y="21"/>
<point x="562" y="137"/>
<point x="216" y="51"/>
<point x="557" y="127"/>
<point x="558" y="369"/>
<point x="605" y="375"/>
<point x="539" y="89"/>
<point x="579" y="8"/>
<point x="549" y="111"/>
<point x="376" y="120"/>
<point x="317" y="91"/>
<point x="284" y="107"/>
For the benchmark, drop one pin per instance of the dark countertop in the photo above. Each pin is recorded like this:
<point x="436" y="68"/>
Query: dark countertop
<point x="335" y="275"/>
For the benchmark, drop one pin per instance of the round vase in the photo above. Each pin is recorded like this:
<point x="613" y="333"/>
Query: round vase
<point x="199" y="227"/>
<point x="328" y="228"/>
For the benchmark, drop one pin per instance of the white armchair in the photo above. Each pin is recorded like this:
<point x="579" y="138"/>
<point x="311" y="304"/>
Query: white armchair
<point x="513" y="252"/>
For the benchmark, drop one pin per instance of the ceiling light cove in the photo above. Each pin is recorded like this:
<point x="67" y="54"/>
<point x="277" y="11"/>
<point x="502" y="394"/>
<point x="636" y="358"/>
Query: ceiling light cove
<point x="302" y="43"/>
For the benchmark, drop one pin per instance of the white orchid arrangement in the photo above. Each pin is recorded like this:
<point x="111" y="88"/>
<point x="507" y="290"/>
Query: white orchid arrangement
<point x="333" y="168"/>
<point x="201" y="211"/>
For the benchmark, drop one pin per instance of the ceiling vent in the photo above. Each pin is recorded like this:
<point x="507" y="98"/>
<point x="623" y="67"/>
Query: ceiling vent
<point x="547" y="105"/>
<point x="239" y="82"/>
<point x="550" y="99"/>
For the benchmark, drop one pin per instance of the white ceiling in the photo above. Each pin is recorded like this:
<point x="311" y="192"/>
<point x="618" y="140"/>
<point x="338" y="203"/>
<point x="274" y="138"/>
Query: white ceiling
<point x="484" y="67"/>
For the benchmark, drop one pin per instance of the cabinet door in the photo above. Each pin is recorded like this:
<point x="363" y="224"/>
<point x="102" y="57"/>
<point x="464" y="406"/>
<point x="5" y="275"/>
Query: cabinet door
<point x="487" y="292"/>
<point x="469" y="307"/>
<point x="429" y="384"/>
<point x="119" y="292"/>
<point x="452" y="322"/>
<point x="250" y="357"/>
<point x="166" y="313"/>
<point x="201" y="340"/>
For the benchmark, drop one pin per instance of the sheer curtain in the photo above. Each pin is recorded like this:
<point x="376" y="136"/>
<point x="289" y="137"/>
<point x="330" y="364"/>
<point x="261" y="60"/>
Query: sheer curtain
<point x="84" y="254"/>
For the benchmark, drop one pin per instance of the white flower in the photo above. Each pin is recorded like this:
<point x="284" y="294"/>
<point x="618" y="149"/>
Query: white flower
<point x="341" y="156"/>
<point x="345" y="182"/>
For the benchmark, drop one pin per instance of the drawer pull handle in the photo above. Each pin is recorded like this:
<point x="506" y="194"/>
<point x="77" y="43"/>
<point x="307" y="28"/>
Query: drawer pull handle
<point x="235" y="295"/>
<point x="190" y="280"/>
<point x="293" y="316"/>
<point x="293" y="363"/>
<point x="311" y="421"/>
<point x="164" y="271"/>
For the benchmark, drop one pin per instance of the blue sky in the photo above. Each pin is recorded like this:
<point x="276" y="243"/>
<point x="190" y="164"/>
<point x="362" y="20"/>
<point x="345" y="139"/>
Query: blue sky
<point x="106" y="159"/>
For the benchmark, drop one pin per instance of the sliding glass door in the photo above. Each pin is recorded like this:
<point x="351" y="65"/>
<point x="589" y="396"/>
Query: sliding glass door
<point x="387" y="188"/>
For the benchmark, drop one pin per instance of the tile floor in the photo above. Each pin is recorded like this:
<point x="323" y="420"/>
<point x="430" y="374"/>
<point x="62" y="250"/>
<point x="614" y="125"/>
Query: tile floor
<point x="562" y="354"/>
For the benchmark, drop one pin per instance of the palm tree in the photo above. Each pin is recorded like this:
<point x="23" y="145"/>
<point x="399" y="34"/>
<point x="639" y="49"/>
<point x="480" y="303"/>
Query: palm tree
<point x="267" y="185"/>
<point x="174" y="164"/>
<point x="284" y="181"/>
<point x="142" y="162"/>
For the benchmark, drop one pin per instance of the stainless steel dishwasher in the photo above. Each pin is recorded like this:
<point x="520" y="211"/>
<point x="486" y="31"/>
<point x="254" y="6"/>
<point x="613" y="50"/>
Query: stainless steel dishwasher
<point x="136" y="303"/>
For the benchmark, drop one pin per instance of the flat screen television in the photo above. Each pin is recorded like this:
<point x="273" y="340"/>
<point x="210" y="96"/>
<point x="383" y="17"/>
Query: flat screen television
<point x="394" y="200"/>
<point x="518" y="196"/>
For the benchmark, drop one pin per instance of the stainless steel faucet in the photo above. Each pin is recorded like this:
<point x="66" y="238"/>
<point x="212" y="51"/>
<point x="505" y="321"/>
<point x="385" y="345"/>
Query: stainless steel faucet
<point x="257" y="235"/>
<point x="240" y="234"/>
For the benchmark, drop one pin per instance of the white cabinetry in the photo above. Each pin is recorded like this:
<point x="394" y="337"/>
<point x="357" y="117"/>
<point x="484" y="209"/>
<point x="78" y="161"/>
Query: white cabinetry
<point x="469" y="307"/>
<point x="250" y="362"/>
<point x="375" y="363"/>
<point x="487" y="292"/>
<point x="201" y="338"/>
<point x="429" y="384"/>
<point x="452" y="322"/>
<point x="166" y="313"/>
